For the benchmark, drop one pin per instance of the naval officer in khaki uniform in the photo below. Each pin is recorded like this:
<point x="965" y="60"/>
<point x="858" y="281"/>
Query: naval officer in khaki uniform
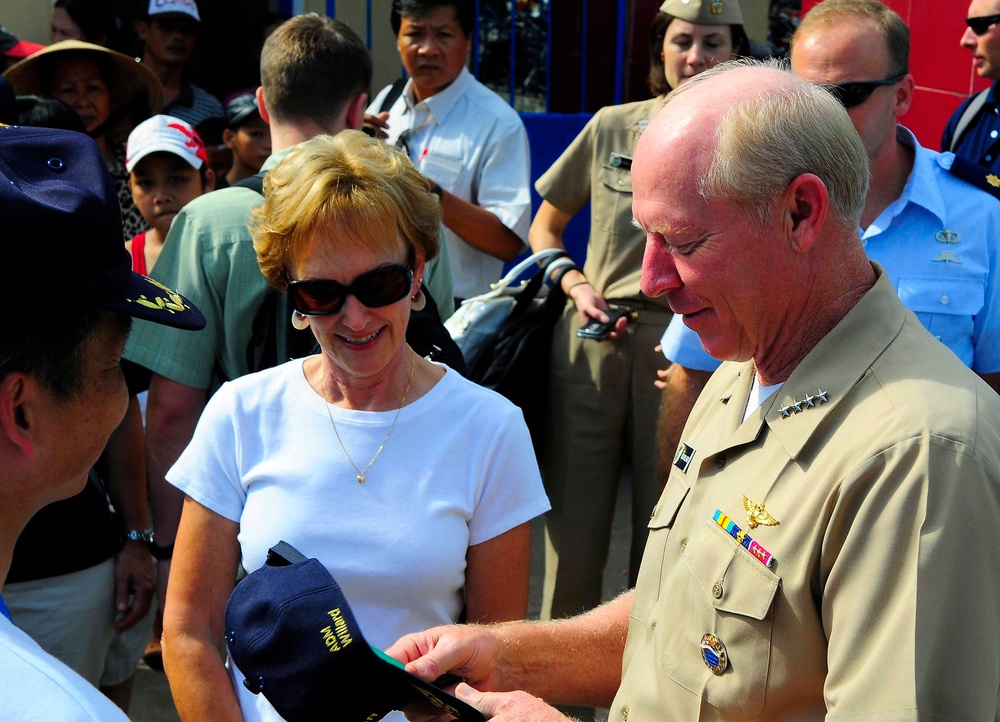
<point x="601" y="408"/>
<point x="825" y="546"/>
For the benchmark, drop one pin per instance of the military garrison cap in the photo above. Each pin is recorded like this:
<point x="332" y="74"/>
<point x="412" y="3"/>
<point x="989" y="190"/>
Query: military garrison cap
<point x="705" y="12"/>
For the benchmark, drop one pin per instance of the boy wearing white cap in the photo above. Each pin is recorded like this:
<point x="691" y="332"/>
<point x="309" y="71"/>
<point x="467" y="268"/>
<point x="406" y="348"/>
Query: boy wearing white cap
<point x="168" y="168"/>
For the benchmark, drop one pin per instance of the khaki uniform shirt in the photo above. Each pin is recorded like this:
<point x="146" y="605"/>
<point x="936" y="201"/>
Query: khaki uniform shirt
<point x="596" y="167"/>
<point x="880" y="460"/>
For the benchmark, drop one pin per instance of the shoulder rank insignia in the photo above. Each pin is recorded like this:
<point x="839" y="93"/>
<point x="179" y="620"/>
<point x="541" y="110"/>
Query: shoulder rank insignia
<point x="976" y="175"/>
<point x="757" y="515"/>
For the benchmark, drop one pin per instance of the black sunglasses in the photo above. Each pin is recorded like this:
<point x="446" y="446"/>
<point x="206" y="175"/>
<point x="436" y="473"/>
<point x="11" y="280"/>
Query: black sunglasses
<point x="853" y="94"/>
<point x="374" y="289"/>
<point x="982" y="25"/>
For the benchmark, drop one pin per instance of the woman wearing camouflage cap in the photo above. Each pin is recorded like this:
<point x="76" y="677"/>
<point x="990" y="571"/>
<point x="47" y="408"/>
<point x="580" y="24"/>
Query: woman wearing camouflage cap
<point x="601" y="401"/>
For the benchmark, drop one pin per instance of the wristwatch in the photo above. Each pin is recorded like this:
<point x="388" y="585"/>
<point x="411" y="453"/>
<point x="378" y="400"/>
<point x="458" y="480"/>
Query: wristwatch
<point x="146" y="537"/>
<point x="140" y="535"/>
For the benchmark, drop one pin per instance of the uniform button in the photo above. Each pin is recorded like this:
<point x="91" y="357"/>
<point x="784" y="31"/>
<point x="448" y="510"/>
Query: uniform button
<point x="621" y="182"/>
<point x="993" y="134"/>
<point x="989" y="157"/>
<point x="717" y="590"/>
<point x="684" y="544"/>
<point x="720" y="461"/>
<point x="653" y="625"/>
<point x="945" y="300"/>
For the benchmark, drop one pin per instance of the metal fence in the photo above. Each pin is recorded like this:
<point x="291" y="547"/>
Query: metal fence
<point x="512" y="48"/>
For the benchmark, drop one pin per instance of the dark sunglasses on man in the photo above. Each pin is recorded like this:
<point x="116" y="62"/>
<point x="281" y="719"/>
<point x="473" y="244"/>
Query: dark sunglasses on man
<point x="374" y="289"/>
<point x="982" y="24"/>
<point x="855" y="93"/>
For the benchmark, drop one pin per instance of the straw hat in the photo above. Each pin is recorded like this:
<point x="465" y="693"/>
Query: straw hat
<point x="135" y="91"/>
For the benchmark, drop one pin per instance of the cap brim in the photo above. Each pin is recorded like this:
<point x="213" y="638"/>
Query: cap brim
<point x="147" y="299"/>
<point x="418" y="690"/>
<point x="131" y="81"/>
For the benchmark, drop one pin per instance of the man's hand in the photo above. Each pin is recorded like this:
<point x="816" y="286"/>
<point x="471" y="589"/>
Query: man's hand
<point x="509" y="706"/>
<point x="377" y="124"/>
<point x="133" y="584"/>
<point x="660" y="381"/>
<point x="469" y="651"/>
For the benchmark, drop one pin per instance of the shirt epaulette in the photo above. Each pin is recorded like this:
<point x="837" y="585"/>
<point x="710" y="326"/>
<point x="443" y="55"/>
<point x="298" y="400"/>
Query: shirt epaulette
<point x="976" y="175"/>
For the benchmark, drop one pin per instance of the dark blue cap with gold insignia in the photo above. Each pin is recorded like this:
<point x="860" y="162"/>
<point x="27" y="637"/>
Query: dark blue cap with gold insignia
<point x="62" y="234"/>
<point x="294" y="637"/>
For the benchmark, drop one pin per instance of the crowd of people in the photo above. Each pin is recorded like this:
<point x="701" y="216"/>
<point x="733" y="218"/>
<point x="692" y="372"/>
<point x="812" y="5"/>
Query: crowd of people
<point x="804" y="380"/>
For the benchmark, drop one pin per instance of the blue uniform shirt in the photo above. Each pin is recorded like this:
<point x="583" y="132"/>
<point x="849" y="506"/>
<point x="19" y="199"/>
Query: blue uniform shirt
<point x="940" y="245"/>
<point x="982" y="133"/>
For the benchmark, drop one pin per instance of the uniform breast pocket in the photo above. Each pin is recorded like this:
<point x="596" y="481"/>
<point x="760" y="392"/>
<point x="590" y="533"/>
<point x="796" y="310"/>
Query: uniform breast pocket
<point x="442" y="169"/>
<point x="613" y="211"/>
<point x="729" y="595"/>
<point x="946" y="307"/>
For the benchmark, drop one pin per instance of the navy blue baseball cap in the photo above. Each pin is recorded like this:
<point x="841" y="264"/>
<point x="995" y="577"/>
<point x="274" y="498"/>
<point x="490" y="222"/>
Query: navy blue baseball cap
<point x="292" y="634"/>
<point x="240" y="107"/>
<point x="62" y="239"/>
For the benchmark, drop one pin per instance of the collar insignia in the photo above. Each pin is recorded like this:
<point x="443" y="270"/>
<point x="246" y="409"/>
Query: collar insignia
<point x="798" y="406"/>
<point x="682" y="459"/>
<point x="993" y="180"/>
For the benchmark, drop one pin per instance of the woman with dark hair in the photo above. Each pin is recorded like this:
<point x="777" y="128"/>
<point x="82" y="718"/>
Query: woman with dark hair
<point x="601" y="406"/>
<point x="89" y="20"/>
<point x="680" y="49"/>
<point x="110" y="92"/>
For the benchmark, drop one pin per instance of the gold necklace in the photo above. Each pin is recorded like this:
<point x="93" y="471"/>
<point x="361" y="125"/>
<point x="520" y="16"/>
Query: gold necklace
<point x="402" y="401"/>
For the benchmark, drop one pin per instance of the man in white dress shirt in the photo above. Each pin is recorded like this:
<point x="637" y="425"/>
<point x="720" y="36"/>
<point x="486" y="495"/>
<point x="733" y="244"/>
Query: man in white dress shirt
<point x="466" y="140"/>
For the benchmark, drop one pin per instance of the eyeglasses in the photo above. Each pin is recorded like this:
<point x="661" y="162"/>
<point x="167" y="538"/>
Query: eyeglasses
<point x="854" y="94"/>
<point x="982" y="25"/>
<point x="374" y="289"/>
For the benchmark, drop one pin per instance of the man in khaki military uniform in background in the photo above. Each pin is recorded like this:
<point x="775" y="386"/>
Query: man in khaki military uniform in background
<point x="826" y="544"/>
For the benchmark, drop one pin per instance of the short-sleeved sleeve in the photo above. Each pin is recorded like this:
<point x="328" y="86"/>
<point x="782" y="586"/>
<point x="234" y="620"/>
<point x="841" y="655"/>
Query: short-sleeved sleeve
<point x="511" y="492"/>
<point x="208" y="469"/>
<point x="908" y="583"/>
<point x="566" y="184"/>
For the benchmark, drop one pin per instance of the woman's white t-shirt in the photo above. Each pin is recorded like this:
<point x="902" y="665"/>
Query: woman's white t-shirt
<point x="457" y="470"/>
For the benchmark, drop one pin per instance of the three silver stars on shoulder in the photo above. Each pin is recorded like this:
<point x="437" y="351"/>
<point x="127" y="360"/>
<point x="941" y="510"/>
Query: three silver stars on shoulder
<point x="806" y="403"/>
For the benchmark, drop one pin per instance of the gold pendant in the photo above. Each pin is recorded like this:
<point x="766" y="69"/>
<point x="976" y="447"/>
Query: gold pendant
<point x="361" y="478"/>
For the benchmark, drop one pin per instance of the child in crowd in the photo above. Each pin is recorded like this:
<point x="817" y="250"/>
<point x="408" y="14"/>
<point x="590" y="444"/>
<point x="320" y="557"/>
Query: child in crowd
<point x="167" y="165"/>
<point x="246" y="135"/>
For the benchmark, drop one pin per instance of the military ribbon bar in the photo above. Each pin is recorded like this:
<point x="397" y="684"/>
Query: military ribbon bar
<point x="743" y="539"/>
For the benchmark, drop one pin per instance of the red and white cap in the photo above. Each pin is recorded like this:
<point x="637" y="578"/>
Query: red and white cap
<point x="185" y="7"/>
<point x="166" y="134"/>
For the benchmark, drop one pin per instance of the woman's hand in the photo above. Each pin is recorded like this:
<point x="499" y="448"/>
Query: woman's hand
<point x="590" y="305"/>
